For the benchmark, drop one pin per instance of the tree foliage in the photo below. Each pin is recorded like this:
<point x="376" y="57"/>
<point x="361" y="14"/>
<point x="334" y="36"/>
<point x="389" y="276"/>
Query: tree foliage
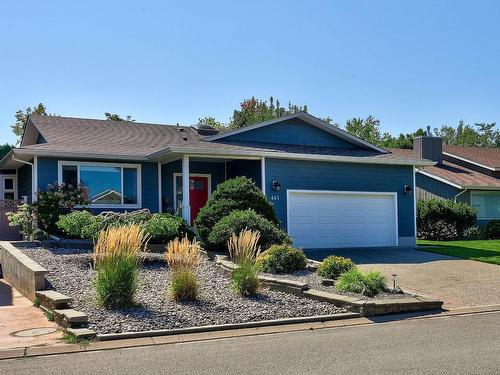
<point x="22" y="115"/>
<point x="476" y="135"/>
<point x="117" y="117"/>
<point x="4" y="150"/>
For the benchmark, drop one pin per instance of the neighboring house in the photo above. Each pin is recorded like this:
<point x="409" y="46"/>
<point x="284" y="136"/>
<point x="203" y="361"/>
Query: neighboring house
<point x="329" y="188"/>
<point x="465" y="174"/>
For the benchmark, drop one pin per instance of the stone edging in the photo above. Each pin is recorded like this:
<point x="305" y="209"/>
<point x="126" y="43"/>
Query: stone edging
<point x="364" y="307"/>
<point x="226" y="327"/>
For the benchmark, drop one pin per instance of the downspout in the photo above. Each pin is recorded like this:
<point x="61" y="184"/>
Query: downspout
<point x="33" y="176"/>
<point x="459" y="194"/>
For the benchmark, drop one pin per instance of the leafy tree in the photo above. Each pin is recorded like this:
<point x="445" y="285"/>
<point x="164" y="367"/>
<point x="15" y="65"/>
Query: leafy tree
<point x="22" y="116"/>
<point x="254" y="110"/>
<point x="211" y="122"/>
<point x="116" y="117"/>
<point x="4" y="150"/>
<point x="367" y="129"/>
<point x="477" y="135"/>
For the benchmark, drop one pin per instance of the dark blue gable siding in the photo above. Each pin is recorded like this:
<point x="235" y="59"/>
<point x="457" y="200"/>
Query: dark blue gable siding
<point x="48" y="174"/>
<point x="290" y="132"/>
<point x="309" y="175"/>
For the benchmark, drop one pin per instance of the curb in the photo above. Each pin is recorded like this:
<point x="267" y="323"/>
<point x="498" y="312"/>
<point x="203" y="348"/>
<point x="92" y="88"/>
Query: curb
<point x="226" y="327"/>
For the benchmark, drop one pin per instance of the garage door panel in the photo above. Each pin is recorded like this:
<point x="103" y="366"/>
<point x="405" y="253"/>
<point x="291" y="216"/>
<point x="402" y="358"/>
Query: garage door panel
<point x="341" y="219"/>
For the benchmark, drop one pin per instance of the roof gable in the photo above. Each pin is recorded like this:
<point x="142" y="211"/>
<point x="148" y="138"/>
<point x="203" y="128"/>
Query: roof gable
<point x="306" y="130"/>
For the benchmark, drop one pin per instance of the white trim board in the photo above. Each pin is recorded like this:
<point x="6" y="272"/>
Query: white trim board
<point x="174" y="185"/>
<point x="394" y="195"/>
<point x="61" y="163"/>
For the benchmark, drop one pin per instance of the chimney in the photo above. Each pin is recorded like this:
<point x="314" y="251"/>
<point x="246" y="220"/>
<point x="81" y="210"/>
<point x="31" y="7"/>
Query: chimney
<point x="428" y="147"/>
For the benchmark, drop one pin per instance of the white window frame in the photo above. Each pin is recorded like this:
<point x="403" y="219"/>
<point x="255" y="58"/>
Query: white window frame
<point x="472" y="193"/>
<point x="78" y="164"/>
<point x="4" y="177"/>
<point x="209" y="177"/>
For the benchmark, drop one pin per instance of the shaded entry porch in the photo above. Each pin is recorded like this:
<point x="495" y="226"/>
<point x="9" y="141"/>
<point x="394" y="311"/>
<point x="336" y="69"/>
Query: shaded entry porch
<point x="188" y="181"/>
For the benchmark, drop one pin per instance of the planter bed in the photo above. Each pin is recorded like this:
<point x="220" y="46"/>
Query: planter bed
<point x="70" y="273"/>
<point x="314" y="282"/>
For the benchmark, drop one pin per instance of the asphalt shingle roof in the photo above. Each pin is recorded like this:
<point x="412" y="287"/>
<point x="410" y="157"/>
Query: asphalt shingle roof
<point x="455" y="173"/>
<point x="134" y="139"/>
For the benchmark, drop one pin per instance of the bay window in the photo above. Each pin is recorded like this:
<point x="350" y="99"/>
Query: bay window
<point x="106" y="184"/>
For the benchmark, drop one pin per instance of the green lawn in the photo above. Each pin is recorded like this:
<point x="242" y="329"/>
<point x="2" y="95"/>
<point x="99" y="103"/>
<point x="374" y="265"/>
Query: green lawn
<point x="483" y="250"/>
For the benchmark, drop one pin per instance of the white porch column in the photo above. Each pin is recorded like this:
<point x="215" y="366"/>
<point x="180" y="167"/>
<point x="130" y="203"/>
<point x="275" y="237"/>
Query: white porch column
<point x="186" y="206"/>
<point x="263" y="174"/>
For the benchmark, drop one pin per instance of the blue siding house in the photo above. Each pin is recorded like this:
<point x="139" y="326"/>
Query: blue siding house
<point x="329" y="188"/>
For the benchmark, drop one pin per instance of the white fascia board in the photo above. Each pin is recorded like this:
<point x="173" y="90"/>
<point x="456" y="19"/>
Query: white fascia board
<point x="310" y="119"/>
<point x="440" y="179"/>
<point x="283" y="155"/>
<point x="77" y="154"/>
<point x="470" y="161"/>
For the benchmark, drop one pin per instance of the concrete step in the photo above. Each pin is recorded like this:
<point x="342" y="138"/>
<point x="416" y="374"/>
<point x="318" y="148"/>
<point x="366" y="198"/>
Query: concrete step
<point x="71" y="318"/>
<point x="53" y="300"/>
<point x="82" y="333"/>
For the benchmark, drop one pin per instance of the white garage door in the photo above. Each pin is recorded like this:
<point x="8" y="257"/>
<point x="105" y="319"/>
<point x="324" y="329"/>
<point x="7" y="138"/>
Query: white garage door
<point x="333" y="219"/>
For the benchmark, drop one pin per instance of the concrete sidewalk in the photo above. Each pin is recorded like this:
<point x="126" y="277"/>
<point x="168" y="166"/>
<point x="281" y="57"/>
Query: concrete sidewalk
<point x="17" y="314"/>
<point x="458" y="282"/>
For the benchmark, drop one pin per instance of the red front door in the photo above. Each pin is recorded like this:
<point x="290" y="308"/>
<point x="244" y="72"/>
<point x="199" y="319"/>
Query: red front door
<point x="198" y="194"/>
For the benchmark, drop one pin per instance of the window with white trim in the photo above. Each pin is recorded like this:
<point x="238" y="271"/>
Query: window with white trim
<point x="106" y="184"/>
<point x="8" y="188"/>
<point x="487" y="204"/>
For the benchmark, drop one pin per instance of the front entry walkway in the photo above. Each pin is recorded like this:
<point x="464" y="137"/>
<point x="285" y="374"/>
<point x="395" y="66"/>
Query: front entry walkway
<point x="21" y="324"/>
<point x="459" y="282"/>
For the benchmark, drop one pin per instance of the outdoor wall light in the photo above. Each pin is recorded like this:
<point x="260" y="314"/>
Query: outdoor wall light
<point x="407" y="189"/>
<point x="276" y="185"/>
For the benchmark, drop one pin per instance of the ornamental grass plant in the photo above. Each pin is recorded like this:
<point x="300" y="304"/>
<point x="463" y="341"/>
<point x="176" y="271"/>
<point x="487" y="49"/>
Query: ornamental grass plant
<point x="244" y="250"/>
<point x="183" y="257"/>
<point x="116" y="258"/>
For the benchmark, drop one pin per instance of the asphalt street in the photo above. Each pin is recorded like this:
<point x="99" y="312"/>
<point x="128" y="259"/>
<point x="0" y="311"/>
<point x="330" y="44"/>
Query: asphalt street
<point x="467" y="344"/>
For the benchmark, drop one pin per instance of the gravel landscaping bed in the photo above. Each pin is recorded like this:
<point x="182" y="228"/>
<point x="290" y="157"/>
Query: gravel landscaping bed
<point x="314" y="282"/>
<point x="71" y="274"/>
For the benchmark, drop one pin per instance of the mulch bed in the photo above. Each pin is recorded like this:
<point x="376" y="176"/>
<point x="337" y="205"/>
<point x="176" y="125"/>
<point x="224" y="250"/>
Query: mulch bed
<point x="71" y="274"/>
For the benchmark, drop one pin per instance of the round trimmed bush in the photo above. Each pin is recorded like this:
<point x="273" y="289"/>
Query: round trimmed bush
<point x="332" y="266"/>
<point x="239" y="193"/>
<point x="492" y="229"/>
<point x="237" y="221"/>
<point x="281" y="259"/>
<point x="162" y="228"/>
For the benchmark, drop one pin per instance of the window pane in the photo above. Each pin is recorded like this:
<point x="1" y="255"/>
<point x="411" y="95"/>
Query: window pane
<point x="178" y="193"/>
<point x="69" y="175"/>
<point x="8" y="196"/>
<point x="103" y="184"/>
<point x="8" y="184"/>
<point x="487" y="204"/>
<point x="130" y="186"/>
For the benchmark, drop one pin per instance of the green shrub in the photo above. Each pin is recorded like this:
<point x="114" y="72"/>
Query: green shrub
<point x="162" y="228"/>
<point x="474" y="233"/>
<point x="25" y="219"/>
<point x="282" y="259"/>
<point x="332" y="266"/>
<point x="80" y="224"/>
<point x="237" y="221"/>
<point x="492" y="229"/>
<point x="441" y="219"/>
<point x="184" y="285"/>
<point x="245" y="279"/>
<point x="239" y="193"/>
<point x="355" y="281"/>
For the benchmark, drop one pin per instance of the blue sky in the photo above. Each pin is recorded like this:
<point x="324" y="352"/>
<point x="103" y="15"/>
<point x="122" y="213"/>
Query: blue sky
<point x="410" y="64"/>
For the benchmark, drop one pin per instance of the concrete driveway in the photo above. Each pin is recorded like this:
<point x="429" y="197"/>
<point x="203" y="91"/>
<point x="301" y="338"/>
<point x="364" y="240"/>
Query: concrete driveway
<point x="459" y="282"/>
